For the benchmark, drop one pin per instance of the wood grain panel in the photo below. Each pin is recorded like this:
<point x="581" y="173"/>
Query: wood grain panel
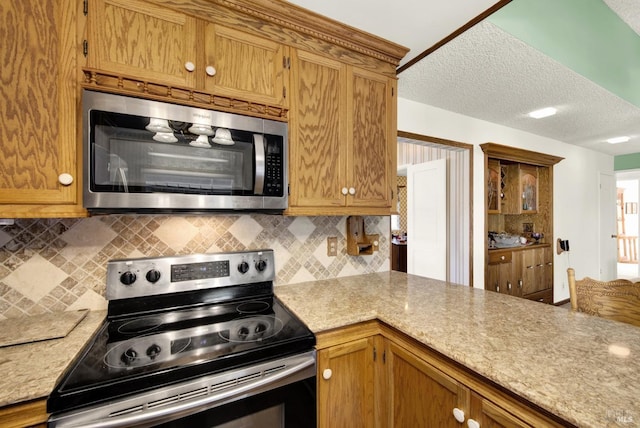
<point x="135" y="37"/>
<point x="346" y="398"/>
<point x="369" y="126"/>
<point x="318" y="131"/>
<point x="29" y="414"/>
<point x="421" y="395"/>
<point x="28" y="94"/>
<point x="37" y="104"/>
<point x="247" y="66"/>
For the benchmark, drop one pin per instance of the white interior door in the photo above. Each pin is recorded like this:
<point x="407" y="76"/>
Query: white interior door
<point x="608" y="245"/>
<point x="427" y="219"/>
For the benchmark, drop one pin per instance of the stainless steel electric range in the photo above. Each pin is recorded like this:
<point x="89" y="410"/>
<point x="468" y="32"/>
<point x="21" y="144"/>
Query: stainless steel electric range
<point x="198" y="340"/>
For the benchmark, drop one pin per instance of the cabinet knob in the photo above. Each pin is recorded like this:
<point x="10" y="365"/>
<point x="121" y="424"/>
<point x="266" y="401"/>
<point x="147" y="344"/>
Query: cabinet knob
<point x="345" y="190"/>
<point x="519" y="283"/>
<point x="502" y="257"/>
<point x="326" y="374"/>
<point x="352" y="191"/>
<point x="189" y="66"/>
<point x="509" y="286"/>
<point x="471" y="423"/>
<point x="210" y="70"/>
<point x="498" y="288"/>
<point x="458" y="414"/>
<point x="65" y="179"/>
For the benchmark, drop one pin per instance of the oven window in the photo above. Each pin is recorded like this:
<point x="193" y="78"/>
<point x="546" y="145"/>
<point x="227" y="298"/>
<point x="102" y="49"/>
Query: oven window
<point x="290" y="406"/>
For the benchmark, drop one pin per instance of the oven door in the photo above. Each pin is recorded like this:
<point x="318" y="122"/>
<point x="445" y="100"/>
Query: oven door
<point x="278" y="393"/>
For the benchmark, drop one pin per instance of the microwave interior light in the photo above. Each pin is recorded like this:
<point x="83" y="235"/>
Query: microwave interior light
<point x="193" y="158"/>
<point x="617" y="140"/>
<point x="544" y="112"/>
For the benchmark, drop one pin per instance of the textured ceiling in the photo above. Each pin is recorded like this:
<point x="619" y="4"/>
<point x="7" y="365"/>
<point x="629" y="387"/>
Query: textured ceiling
<point x="488" y="74"/>
<point x="415" y="24"/>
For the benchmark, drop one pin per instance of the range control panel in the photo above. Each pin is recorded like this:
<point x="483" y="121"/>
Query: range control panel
<point x="128" y="278"/>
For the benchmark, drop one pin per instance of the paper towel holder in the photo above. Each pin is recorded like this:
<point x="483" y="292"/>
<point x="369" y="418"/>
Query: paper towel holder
<point x="358" y="242"/>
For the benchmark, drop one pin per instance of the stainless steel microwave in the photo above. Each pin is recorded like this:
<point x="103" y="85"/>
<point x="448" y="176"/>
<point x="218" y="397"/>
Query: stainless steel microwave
<point x="148" y="156"/>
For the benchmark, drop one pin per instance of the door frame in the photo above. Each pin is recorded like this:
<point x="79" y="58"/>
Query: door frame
<point x="421" y="139"/>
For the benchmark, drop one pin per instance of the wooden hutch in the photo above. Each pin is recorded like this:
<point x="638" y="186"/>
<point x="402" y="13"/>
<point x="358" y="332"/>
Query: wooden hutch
<point x="519" y="201"/>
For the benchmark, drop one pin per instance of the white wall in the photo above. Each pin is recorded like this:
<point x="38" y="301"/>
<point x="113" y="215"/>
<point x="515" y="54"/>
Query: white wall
<point x="576" y="188"/>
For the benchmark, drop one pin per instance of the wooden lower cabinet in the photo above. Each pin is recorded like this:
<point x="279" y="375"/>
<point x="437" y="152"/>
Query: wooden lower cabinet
<point x="29" y="414"/>
<point x="379" y="377"/>
<point x="419" y="394"/>
<point x="346" y="385"/>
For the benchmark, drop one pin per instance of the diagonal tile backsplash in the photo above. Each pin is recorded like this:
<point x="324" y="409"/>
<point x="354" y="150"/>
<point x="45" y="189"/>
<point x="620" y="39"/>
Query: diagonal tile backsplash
<point x="52" y="265"/>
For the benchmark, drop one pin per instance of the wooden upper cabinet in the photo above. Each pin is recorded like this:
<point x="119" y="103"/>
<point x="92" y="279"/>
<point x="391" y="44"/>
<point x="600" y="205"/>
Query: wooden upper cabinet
<point x="370" y="139"/>
<point x="342" y="129"/>
<point x="137" y="38"/>
<point x="245" y="66"/>
<point x="318" y="131"/>
<point x="148" y="41"/>
<point x="38" y="109"/>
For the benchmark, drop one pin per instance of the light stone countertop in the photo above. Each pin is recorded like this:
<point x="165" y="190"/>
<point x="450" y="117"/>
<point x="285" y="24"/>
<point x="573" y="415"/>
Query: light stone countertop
<point x="30" y="371"/>
<point x="582" y="368"/>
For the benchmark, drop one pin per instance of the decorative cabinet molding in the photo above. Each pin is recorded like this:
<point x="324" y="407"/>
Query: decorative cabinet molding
<point x="156" y="44"/>
<point x="38" y="126"/>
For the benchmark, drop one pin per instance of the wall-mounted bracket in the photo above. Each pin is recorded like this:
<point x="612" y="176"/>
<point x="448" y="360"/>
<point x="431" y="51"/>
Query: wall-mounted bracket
<point x="358" y="242"/>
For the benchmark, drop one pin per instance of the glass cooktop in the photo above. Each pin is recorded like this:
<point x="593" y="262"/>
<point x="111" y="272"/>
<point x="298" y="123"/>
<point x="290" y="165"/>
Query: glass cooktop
<point x="139" y="353"/>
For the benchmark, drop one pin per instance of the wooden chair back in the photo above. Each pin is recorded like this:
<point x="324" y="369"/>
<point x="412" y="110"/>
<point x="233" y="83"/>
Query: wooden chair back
<point x="618" y="300"/>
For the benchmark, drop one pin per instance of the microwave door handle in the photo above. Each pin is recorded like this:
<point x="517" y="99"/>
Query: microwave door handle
<point x="258" y="184"/>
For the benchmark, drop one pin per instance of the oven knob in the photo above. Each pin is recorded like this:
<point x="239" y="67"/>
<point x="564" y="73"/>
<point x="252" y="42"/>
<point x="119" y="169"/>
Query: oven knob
<point x="129" y="356"/>
<point x="261" y="265"/>
<point x="243" y="267"/>
<point x="153" y="276"/>
<point x="128" y="278"/>
<point x="153" y="351"/>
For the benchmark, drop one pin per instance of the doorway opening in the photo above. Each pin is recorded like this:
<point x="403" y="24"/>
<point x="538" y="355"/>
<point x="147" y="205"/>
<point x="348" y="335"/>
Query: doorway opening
<point x="627" y="223"/>
<point x="416" y="149"/>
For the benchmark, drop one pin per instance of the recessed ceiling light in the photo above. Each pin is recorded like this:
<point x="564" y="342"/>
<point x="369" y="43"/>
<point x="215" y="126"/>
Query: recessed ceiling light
<point x="544" y="112"/>
<point x="617" y="140"/>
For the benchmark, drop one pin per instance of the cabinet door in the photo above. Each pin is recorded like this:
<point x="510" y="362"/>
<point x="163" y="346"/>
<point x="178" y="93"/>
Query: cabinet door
<point x="494" y="190"/>
<point x="489" y="415"/>
<point x="346" y="385"/>
<point x="370" y="107"/>
<point x="38" y="105"/>
<point x="529" y="269"/>
<point x="421" y="395"/>
<point x="246" y="66"/>
<point x="535" y="269"/>
<point x="317" y="150"/>
<point x="137" y="38"/>
<point x="547" y="259"/>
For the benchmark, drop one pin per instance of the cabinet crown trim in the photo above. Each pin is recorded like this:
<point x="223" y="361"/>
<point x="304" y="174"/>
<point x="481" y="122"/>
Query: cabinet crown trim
<point x="499" y="151"/>
<point x="287" y="15"/>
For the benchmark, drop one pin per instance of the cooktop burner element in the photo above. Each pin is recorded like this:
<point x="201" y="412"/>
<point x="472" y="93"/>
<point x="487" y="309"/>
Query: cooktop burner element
<point x="176" y="318"/>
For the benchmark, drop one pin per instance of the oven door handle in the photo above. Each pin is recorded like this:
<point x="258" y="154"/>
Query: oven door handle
<point x="186" y="408"/>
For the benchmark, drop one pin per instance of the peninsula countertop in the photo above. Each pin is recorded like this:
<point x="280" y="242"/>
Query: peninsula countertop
<point x="582" y="368"/>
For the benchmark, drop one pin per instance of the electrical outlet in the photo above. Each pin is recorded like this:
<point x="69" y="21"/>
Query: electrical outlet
<point x="332" y="246"/>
